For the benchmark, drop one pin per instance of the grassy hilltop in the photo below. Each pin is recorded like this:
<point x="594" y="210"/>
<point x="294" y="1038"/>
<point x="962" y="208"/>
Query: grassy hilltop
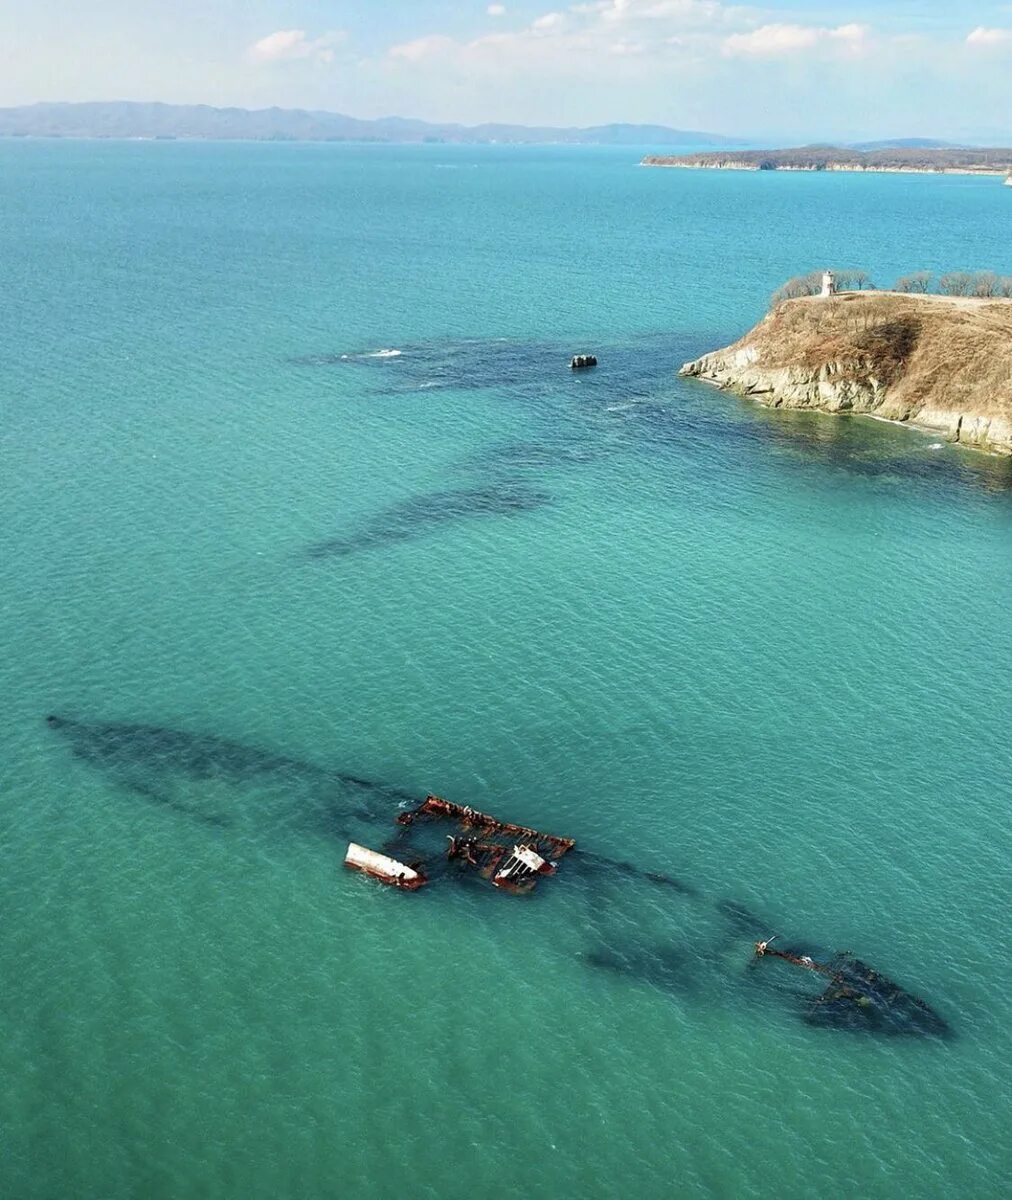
<point x="942" y="363"/>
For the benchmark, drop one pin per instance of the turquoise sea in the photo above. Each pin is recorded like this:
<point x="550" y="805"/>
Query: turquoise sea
<point x="273" y="577"/>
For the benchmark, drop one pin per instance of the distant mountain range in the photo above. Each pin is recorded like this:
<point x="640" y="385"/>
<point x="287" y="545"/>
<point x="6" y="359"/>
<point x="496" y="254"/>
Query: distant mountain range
<point x="124" y="119"/>
<point x="906" y="144"/>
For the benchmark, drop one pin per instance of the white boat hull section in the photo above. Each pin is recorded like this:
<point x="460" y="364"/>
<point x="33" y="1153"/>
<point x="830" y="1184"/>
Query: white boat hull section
<point x="389" y="870"/>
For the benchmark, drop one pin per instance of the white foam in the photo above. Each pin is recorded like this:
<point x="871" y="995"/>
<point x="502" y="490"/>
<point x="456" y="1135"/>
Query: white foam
<point x="384" y="354"/>
<point x="937" y="446"/>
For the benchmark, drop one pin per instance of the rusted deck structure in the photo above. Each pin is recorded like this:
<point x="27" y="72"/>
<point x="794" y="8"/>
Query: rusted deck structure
<point x="511" y="857"/>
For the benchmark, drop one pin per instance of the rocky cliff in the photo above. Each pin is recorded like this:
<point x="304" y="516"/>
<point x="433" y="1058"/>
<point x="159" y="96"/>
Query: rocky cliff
<point x="941" y="363"/>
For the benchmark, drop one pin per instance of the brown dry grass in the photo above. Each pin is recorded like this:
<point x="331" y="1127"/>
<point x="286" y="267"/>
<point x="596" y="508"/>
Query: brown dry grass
<point x="939" y="350"/>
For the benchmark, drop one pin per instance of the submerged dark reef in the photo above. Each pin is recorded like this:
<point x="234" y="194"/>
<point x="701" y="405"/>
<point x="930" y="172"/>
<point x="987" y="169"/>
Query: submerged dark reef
<point x="176" y="770"/>
<point x="467" y="364"/>
<point x="417" y="516"/>
<point x="510" y="477"/>
<point x="577" y="419"/>
<point x="226" y="784"/>
<point x="633" y="403"/>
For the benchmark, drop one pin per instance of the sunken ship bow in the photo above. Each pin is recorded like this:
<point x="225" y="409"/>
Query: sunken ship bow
<point x="856" y="997"/>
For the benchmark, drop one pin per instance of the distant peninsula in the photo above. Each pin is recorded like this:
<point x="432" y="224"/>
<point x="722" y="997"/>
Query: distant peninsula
<point x="125" y="119"/>
<point x="920" y="159"/>
<point x="940" y="363"/>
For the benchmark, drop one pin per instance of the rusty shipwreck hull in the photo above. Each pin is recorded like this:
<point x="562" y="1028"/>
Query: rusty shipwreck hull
<point x="513" y="858"/>
<point x="171" y="768"/>
<point x="384" y="868"/>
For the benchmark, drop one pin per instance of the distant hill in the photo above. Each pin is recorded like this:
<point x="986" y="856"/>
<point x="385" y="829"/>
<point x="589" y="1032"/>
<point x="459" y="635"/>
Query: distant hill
<point x="125" y="119"/>
<point x="906" y="144"/>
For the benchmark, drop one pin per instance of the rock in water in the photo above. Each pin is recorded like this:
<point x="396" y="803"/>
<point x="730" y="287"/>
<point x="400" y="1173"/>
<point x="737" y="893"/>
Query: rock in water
<point x="579" y="361"/>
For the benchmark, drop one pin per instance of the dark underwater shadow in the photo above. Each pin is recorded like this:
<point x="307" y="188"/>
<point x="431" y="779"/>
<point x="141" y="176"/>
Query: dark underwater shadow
<point x="669" y="970"/>
<point x="177" y="771"/>
<point x="856" y="445"/>
<point x="632" y="403"/>
<point x="861" y="446"/>
<point x="521" y="367"/>
<point x="419" y="515"/>
<point x="632" y="396"/>
<point x="466" y="364"/>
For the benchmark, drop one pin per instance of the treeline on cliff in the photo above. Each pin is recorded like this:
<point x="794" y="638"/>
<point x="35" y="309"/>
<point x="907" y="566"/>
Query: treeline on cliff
<point x="982" y="284"/>
<point x="826" y="158"/>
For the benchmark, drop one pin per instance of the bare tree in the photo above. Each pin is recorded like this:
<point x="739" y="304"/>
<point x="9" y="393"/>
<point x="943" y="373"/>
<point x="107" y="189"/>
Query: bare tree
<point x="853" y="281"/>
<point x="986" y="283"/>
<point x="800" y="285"/>
<point x="1005" y="285"/>
<point x="918" y="281"/>
<point x="957" y="283"/>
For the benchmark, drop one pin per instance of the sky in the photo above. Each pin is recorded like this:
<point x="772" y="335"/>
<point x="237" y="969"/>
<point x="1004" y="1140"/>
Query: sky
<point x="791" y="70"/>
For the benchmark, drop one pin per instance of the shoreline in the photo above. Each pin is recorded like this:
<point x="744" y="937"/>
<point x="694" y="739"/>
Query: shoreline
<point x="835" y="168"/>
<point x="925" y="430"/>
<point x="936" y="364"/>
<point x="915" y="426"/>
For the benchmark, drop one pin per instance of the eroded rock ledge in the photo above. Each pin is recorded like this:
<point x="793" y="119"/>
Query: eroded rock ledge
<point x="941" y="363"/>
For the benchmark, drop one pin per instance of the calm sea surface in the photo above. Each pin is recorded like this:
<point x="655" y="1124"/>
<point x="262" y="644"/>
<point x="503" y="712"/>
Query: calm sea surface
<point x="272" y="576"/>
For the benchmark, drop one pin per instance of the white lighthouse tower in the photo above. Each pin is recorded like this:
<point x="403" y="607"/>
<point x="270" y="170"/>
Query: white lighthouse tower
<point x="828" y="283"/>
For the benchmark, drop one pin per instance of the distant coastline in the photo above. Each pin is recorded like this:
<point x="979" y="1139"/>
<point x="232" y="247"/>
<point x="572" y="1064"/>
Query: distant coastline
<point x="917" y="161"/>
<point x="128" y="120"/>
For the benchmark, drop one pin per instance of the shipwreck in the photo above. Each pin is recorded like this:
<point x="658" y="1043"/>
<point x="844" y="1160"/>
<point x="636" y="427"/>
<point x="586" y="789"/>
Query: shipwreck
<point x="438" y="841"/>
<point x="515" y="858"/>
<point x="511" y="857"/>
<point x="859" y="997"/>
<point x="383" y="868"/>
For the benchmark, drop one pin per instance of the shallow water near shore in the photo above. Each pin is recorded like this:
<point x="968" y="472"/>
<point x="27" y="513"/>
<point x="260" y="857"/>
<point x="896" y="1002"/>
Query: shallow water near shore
<point x="765" y="655"/>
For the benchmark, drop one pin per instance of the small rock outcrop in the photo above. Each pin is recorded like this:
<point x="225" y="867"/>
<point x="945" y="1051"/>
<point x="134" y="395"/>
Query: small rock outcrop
<point x="941" y="363"/>
<point x="579" y="361"/>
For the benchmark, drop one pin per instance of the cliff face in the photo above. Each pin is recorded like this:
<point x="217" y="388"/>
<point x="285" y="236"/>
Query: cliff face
<point x="943" y="364"/>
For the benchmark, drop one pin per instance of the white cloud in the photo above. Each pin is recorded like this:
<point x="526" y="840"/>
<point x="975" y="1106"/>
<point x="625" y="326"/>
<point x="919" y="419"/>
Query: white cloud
<point x="617" y="28"/>
<point x="981" y="37"/>
<point x="431" y="46"/>
<point x="696" y="64"/>
<point x="680" y="13"/>
<point x="782" y="40"/>
<point x="287" y="44"/>
<point x="626" y="47"/>
<point x="769" y="41"/>
<point x="496" y="10"/>
<point x="851" y="35"/>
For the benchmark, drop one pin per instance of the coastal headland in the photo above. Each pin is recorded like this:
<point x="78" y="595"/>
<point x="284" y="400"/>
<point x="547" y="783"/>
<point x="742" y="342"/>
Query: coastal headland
<point x="940" y="363"/>
<point x="903" y="159"/>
